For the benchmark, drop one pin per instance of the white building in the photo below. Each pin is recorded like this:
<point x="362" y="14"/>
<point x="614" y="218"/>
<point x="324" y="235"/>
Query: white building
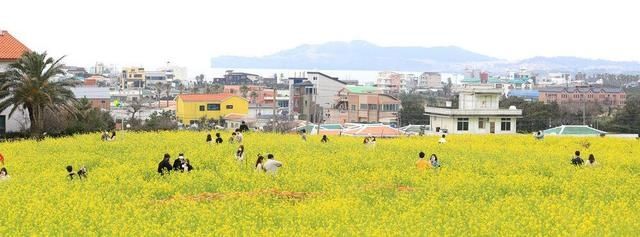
<point x="10" y="51"/>
<point x="478" y="112"/>
<point x="559" y="78"/>
<point x="174" y="72"/>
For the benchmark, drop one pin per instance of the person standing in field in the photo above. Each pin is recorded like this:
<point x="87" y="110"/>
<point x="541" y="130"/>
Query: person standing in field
<point x="209" y="139"/>
<point x="592" y="161"/>
<point x="260" y="164"/>
<point x="218" y="139"/>
<point x="421" y="164"/>
<point x="164" y="166"/>
<point x="240" y="153"/>
<point x="577" y="160"/>
<point x="324" y="139"/>
<point x="442" y="140"/>
<point x="303" y="134"/>
<point x="434" y="161"/>
<point x="272" y="165"/>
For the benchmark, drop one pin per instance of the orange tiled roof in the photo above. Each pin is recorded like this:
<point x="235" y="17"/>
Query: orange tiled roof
<point x="205" y="97"/>
<point x="10" y="48"/>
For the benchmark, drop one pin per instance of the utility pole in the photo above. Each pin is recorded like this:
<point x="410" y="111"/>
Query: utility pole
<point x="275" y="117"/>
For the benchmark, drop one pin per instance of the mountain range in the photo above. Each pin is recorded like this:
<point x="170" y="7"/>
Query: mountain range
<point x="362" y="55"/>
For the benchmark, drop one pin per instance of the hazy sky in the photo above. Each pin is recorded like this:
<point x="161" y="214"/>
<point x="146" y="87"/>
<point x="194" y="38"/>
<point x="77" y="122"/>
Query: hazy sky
<point x="190" y="32"/>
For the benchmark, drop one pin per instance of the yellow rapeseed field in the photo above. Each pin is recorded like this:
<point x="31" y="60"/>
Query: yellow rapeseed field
<point x="487" y="186"/>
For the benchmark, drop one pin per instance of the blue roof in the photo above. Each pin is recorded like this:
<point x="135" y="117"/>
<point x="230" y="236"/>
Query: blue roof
<point x="525" y="93"/>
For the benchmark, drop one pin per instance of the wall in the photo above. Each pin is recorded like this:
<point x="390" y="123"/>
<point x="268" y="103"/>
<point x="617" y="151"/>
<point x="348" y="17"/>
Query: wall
<point x="187" y="111"/>
<point x="451" y="124"/>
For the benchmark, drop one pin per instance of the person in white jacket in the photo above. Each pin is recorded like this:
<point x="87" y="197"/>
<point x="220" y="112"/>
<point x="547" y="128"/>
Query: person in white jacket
<point x="272" y="165"/>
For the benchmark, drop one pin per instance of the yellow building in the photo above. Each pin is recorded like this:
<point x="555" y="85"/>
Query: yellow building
<point x="191" y="108"/>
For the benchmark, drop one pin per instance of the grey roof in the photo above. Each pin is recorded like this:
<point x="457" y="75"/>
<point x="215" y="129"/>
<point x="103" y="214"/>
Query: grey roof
<point x="581" y="89"/>
<point x="91" y="92"/>
<point x="327" y="76"/>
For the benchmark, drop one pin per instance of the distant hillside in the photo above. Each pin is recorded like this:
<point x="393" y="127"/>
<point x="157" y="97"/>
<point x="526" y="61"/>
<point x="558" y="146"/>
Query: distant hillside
<point x="357" y="55"/>
<point x="362" y="55"/>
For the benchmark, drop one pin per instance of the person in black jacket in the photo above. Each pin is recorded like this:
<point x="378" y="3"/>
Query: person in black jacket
<point x="218" y="139"/>
<point x="325" y="139"/>
<point x="177" y="164"/>
<point x="243" y="127"/>
<point x="209" y="138"/>
<point x="164" y="165"/>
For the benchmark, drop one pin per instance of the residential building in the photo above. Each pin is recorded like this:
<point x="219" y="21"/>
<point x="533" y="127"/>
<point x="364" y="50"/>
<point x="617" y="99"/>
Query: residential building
<point x="238" y="78"/>
<point x="559" y="78"/>
<point x="258" y="95"/>
<point x="174" y="72"/>
<point x="99" y="97"/>
<point x="310" y="96"/>
<point x="133" y="77"/>
<point x="608" y="96"/>
<point x="478" y="112"/>
<point x="364" y="104"/>
<point x="430" y="80"/>
<point x="155" y="77"/>
<point x="75" y="72"/>
<point x="527" y="95"/>
<point x="394" y="83"/>
<point x="192" y="107"/>
<point x="10" y="51"/>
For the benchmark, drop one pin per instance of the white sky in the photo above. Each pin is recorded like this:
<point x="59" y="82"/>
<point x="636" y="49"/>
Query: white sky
<point x="190" y="32"/>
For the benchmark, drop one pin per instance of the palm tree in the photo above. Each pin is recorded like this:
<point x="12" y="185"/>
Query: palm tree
<point x="254" y="96"/>
<point x="28" y="84"/>
<point x="217" y="88"/>
<point x="167" y="91"/>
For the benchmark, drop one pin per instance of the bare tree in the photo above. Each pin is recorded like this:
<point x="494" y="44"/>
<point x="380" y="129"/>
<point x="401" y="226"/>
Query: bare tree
<point x="167" y="91"/>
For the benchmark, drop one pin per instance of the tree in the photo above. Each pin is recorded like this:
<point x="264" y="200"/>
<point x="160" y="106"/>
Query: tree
<point x="536" y="115"/>
<point x="165" y="120"/>
<point x="244" y="89"/>
<point x="28" y="84"/>
<point x="181" y="88"/>
<point x="158" y="87"/>
<point x="167" y="91"/>
<point x="135" y="107"/>
<point x="254" y="96"/>
<point x="412" y="111"/>
<point x="627" y="119"/>
<point x="448" y="87"/>
<point x="217" y="88"/>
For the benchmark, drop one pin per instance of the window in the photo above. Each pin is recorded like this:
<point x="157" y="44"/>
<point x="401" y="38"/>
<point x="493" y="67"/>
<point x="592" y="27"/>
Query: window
<point x="373" y="106"/>
<point x="482" y="123"/>
<point x="505" y="124"/>
<point x="229" y="107"/>
<point x="353" y="107"/>
<point x="390" y="107"/>
<point x="201" y="107"/>
<point x="213" y="107"/>
<point x="363" y="106"/>
<point x="463" y="124"/>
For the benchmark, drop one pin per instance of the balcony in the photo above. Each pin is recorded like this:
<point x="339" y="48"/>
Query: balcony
<point x="472" y="112"/>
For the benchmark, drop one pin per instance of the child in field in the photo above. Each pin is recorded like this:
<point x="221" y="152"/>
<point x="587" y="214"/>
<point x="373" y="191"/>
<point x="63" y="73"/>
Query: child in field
<point x="105" y="136"/>
<point x="4" y="175"/>
<point x="442" y="140"/>
<point x="164" y="166"/>
<point x="232" y="138"/>
<point x="218" y="139"/>
<point x="325" y="139"/>
<point x="539" y="135"/>
<point x="209" y="139"/>
<point x="260" y="164"/>
<point x="177" y="163"/>
<point x="272" y="165"/>
<point x="421" y="164"/>
<point x="70" y="172"/>
<point x="577" y="160"/>
<point x="303" y="134"/>
<point x="434" y="161"/>
<point x="187" y="166"/>
<point x="592" y="161"/>
<point x="239" y="136"/>
<point x="240" y="153"/>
